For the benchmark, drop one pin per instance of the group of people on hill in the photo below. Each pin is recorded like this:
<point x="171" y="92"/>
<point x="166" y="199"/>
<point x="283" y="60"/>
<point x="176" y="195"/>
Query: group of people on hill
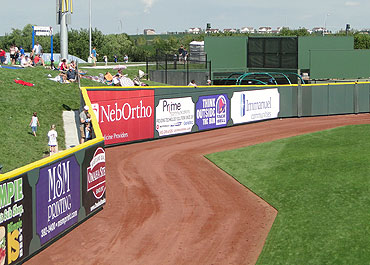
<point x="18" y="56"/>
<point x="94" y="57"/>
<point x="68" y="72"/>
<point x="85" y="130"/>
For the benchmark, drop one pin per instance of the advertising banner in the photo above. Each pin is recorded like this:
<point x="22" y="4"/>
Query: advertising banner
<point x="15" y="219"/>
<point x="57" y="198"/>
<point x="124" y="116"/>
<point x="174" y="116"/>
<point x="93" y="179"/>
<point x="212" y="111"/>
<point x="255" y="105"/>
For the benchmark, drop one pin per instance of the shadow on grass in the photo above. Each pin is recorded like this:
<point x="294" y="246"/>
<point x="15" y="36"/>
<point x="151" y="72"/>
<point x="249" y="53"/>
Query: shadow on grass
<point x="66" y="107"/>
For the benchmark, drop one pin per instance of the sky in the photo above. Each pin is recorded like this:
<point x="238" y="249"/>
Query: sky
<point x="133" y="16"/>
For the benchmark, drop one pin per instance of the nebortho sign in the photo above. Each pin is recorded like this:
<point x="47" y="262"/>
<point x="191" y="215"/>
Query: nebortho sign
<point x="124" y="116"/>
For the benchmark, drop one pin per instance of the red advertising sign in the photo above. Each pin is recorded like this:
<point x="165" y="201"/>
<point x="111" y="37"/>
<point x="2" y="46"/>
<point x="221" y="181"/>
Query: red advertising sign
<point x="96" y="174"/>
<point x="124" y="116"/>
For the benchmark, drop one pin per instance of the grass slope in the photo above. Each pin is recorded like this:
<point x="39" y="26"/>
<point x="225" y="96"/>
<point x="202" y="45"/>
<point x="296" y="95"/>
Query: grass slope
<point x="320" y="185"/>
<point x="17" y="103"/>
<point x="49" y="99"/>
<point x="131" y="71"/>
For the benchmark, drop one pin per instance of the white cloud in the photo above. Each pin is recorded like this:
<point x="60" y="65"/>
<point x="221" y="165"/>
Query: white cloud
<point x="351" y="3"/>
<point x="147" y="5"/>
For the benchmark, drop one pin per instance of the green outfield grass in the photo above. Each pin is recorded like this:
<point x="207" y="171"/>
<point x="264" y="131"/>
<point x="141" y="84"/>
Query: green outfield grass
<point x="320" y="185"/>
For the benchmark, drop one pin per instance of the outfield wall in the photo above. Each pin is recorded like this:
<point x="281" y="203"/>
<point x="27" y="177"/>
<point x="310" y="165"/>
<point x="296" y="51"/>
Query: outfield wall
<point x="135" y="114"/>
<point x="42" y="201"/>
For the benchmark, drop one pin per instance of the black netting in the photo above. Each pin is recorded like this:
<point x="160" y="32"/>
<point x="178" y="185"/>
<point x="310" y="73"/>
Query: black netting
<point x="289" y="45"/>
<point x="255" y="45"/>
<point x="273" y="52"/>
<point x="272" y="45"/>
<point x="255" y="60"/>
<point x="272" y="61"/>
<point x="289" y="61"/>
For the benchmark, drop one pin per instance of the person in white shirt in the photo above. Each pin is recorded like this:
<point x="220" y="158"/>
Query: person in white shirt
<point x="192" y="83"/>
<point x="25" y="61"/>
<point x="34" y="122"/>
<point x="52" y="135"/>
<point x="37" y="49"/>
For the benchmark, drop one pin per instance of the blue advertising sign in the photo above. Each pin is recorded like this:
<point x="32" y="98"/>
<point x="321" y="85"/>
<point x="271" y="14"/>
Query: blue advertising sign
<point x="212" y="111"/>
<point x="57" y="198"/>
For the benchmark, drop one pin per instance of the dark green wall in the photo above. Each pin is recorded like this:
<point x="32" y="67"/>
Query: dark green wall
<point x="339" y="64"/>
<point x="326" y="57"/>
<point x="309" y="43"/>
<point x="227" y="53"/>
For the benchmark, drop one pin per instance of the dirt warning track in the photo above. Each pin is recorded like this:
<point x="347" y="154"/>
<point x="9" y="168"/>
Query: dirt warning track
<point x="167" y="204"/>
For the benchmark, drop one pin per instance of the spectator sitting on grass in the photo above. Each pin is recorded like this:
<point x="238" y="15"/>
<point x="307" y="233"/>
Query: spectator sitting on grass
<point x="71" y="75"/>
<point x="38" y="60"/>
<point x="108" y="78"/>
<point x="25" y="61"/>
<point x="63" y="66"/>
<point x="52" y="65"/>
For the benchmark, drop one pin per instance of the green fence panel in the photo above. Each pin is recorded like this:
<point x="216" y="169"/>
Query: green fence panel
<point x="319" y="100"/>
<point x="288" y="101"/>
<point x="363" y="97"/>
<point x="341" y="99"/>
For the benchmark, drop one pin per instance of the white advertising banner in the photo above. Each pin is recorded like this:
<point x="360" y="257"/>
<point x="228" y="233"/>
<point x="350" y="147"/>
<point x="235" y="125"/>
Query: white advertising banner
<point x="43" y="31"/>
<point x="255" y="105"/>
<point x="174" y="115"/>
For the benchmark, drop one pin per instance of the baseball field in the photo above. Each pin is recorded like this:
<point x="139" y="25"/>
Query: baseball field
<point x="169" y="204"/>
<point x="319" y="184"/>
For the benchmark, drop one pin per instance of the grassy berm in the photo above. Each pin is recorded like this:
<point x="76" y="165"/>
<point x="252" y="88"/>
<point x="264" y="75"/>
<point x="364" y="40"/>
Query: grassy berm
<point x="17" y="103"/>
<point x="320" y="185"/>
<point x="49" y="99"/>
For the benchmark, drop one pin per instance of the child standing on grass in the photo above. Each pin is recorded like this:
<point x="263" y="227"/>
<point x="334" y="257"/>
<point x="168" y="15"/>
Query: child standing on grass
<point x="34" y="123"/>
<point x="52" y="135"/>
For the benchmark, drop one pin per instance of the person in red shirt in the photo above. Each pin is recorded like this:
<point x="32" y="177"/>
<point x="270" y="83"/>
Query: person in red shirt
<point x="63" y="66"/>
<point x="2" y="56"/>
<point x="38" y="60"/>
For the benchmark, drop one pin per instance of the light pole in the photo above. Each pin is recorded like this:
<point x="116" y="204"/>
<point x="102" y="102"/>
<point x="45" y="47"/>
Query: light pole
<point x="324" y="29"/>
<point x="64" y="11"/>
<point x="90" y="28"/>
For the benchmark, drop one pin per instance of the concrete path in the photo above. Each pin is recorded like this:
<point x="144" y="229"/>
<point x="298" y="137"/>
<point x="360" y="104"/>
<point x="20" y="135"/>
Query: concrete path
<point x="70" y="128"/>
<point x="113" y="66"/>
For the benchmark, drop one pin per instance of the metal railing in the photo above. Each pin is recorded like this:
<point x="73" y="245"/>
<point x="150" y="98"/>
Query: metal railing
<point x="174" y="62"/>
